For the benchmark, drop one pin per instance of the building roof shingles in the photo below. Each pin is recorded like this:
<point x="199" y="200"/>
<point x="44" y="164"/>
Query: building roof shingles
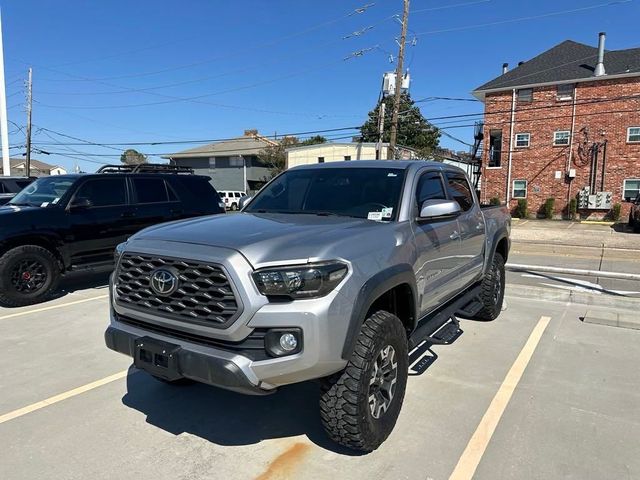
<point x="247" y="145"/>
<point x="565" y="62"/>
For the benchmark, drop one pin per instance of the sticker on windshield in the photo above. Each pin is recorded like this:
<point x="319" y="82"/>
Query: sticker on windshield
<point x="44" y="204"/>
<point x="387" y="212"/>
<point x="377" y="216"/>
<point x="55" y="200"/>
<point x="391" y="174"/>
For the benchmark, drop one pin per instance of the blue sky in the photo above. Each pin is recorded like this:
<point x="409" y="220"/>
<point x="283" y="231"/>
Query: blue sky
<point x="115" y="71"/>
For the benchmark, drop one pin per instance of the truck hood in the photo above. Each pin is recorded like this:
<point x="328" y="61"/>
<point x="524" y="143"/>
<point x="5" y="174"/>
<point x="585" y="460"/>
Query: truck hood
<point x="265" y="238"/>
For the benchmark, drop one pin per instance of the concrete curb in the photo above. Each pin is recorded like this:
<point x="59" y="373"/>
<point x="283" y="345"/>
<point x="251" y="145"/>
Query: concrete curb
<point x="612" y="319"/>
<point x="515" y="242"/>
<point x="569" y="296"/>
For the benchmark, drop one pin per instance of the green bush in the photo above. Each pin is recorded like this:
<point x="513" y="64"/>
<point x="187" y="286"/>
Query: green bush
<point x="549" y="207"/>
<point x="494" y="201"/>
<point x="615" y="212"/>
<point x="573" y="208"/>
<point x="521" y="209"/>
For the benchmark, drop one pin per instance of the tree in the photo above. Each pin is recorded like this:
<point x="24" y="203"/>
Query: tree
<point x="275" y="156"/>
<point x="414" y="130"/>
<point x="132" y="157"/>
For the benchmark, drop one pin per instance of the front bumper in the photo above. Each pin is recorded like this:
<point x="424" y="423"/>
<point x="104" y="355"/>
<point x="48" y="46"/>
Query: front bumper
<point x="206" y="368"/>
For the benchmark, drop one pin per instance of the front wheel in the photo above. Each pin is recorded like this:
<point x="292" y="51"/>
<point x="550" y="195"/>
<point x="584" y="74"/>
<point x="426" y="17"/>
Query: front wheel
<point x="360" y="405"/>
<point x="492" y="293"/>
<point x="28" y="275"/>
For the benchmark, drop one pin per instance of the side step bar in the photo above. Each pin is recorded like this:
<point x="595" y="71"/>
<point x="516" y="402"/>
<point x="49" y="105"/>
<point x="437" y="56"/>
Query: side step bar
<point x="442" y="327"/>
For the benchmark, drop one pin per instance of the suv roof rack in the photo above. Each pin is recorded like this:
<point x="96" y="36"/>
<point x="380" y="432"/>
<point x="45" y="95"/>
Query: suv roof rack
<point x="145" y="168"/>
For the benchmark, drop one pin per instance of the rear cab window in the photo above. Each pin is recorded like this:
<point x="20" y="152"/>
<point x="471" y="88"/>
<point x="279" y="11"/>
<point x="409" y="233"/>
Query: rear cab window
<point x="459" y="190"/>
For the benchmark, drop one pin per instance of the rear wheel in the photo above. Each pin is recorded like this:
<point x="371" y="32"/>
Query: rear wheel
<point x="234" y="207"/>
<point x="492" y="293"/>
<point x="28" y="275"/>
<point x="360" y="405"/>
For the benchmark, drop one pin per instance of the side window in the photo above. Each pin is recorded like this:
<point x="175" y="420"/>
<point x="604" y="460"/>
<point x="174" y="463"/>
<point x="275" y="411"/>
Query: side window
<point x="430" y="188"/>
<point x="3" y="189"/>
<point x="237" y="194"/>
<point x="150" y="190"/>
<point x="460" y="191"/>
<point x="104" y="192"/>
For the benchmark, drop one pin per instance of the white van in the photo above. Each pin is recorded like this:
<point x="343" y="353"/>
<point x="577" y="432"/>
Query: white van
<point x="231" y="198"/>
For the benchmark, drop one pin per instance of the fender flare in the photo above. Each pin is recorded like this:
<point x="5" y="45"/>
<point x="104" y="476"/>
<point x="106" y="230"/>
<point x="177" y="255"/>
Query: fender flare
<point x="500" y="235"/>
<point x="372" y="289"/>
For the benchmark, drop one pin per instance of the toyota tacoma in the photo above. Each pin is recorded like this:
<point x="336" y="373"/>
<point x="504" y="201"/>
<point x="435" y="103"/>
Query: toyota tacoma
<point x="332" y="272"/>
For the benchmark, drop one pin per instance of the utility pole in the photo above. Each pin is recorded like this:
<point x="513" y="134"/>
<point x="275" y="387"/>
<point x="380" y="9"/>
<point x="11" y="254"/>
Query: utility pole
<point x="29" y="103"/>
<point x="396" y="103"/>
<point x="4" y="128"/>
<point x="381" y="113"/>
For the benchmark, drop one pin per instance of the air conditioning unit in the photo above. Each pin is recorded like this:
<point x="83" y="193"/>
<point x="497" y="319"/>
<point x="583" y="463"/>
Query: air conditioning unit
<point x="571" y="173"/>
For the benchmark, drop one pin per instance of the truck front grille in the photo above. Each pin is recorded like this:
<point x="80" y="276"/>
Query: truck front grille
<point x="203" y="293"/>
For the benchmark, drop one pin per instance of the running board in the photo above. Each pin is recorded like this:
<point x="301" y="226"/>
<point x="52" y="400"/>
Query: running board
<point x="429" y="327"/>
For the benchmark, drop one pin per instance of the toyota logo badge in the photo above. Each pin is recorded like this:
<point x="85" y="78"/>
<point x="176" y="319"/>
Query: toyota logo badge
<point x="163" y="282"/>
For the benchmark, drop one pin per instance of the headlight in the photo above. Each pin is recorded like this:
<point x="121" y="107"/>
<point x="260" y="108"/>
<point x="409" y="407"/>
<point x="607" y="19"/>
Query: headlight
<point x="306" y="281"/>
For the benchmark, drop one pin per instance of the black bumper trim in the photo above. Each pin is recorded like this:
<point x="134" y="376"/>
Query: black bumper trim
<point x="196" y="366"/>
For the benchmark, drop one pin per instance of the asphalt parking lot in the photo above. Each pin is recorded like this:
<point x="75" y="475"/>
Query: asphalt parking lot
<point x="536" y="394"/>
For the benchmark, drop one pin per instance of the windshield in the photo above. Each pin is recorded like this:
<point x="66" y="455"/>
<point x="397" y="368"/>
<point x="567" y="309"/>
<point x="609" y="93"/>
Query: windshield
<point x="372" y="193"/>
<point x="43" y="192"/>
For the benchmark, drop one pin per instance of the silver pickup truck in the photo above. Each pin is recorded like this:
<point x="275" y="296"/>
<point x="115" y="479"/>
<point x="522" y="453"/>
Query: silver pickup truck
<point x="332" y="272"/>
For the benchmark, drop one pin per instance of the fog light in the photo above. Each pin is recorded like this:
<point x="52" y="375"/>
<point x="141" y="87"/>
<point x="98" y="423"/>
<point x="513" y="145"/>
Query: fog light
<point x="288" y="342"/>
<point x="280" y="342"/>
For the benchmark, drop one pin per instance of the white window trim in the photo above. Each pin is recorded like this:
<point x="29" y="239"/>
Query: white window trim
<point x="555" y="139"/>
<point x="629" y="135"/>
<point x="526" y="188"/>
<point x="624" y="182"/>
<point x="528" y="140"/>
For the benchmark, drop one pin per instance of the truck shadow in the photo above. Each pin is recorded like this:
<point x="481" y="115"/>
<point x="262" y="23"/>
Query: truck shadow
<point x="228" y="418"/>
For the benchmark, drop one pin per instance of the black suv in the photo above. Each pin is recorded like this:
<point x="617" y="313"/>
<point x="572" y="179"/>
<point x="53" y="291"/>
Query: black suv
<point x="74" y="222"/>
<point x="9" y="186"/>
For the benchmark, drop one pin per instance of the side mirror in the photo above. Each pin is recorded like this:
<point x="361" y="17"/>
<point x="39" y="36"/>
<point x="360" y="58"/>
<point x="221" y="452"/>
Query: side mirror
<point x="244" y="201"/>
<point x="437" y="209"/>
<point x="80" y="203"/>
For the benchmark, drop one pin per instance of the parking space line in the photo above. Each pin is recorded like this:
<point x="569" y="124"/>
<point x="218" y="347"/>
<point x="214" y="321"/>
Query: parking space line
<point x="470" y="459"/>
<point x="52" y="307"/>
<point x="62" y="396"/>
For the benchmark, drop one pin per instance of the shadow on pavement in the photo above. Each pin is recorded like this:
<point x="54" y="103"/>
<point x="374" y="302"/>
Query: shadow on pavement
<point x="622" y="228"/>
<point x="227" y="418"/>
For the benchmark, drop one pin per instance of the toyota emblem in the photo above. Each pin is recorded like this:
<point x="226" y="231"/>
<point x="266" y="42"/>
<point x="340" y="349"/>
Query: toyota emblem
<point x="164" y="282"/>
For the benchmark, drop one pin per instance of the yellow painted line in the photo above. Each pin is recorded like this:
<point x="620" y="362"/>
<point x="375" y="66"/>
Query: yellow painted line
<point x="52" y="307"/>
<point x="596" y="222"/>
<point x="470" y="459"/>
<point x="62" y="396"/>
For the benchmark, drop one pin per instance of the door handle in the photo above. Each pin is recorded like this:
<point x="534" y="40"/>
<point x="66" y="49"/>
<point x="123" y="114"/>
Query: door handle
<point x="128" y="215"/>
<point x="455" y="235"/>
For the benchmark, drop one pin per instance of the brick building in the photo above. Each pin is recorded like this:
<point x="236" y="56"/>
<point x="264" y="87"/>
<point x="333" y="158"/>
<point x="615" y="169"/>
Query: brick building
<point x="566" y="120"/>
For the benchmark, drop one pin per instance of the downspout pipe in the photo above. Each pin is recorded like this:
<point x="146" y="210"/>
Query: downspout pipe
<point x="511" y="128"/>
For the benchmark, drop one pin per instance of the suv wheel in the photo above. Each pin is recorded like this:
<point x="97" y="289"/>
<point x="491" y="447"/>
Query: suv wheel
<point x="28" y="275"/>
<point x="492" y="294"/>
<point x="234" y="207"/>
<point x="359" y="406"/>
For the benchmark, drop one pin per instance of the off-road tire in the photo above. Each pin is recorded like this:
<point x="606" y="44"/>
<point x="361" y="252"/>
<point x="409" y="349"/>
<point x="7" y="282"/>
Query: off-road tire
<point x="10" y="295"/>
<point x="344" y="402"/>
<point x="234" y="207"/>
<point x="492" y="293"/>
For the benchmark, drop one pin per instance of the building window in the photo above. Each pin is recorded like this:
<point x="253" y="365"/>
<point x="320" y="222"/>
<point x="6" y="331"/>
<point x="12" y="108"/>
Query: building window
<point x="236" y="161"/>
<point x="320" y="159"/>
<point x="633" y="134"/>
<point x="495" y="148"/>
<point x="631" y="188"/>
<point x="347" y="158"/>
<point x="525" y="95"/>
<point x="212" y="162"/>
<point x="523" y="140"/>
<point x="565" y="91"/>
<point x="561" y="137"/>
<point x="519" y="189"/>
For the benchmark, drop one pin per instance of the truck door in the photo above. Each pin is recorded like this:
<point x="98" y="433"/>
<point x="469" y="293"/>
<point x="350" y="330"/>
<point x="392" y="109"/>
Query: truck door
<point x="470" y="226"/>
<point x="437" y="246"/>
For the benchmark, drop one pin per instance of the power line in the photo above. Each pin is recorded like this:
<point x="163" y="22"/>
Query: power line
<point x="235" y="53"/>
<point x="522" y="19"/>
<point x="445" y="7"/>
